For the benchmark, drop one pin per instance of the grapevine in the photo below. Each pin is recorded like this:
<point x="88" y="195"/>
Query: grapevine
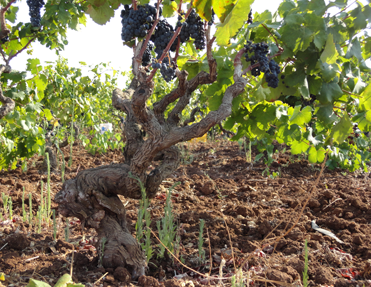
<point x="34" y="8"/>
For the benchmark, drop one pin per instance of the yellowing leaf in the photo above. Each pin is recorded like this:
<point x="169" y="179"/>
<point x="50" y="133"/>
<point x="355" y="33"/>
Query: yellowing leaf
<point x="233" y="22"/>
<point x="2" y="277"/>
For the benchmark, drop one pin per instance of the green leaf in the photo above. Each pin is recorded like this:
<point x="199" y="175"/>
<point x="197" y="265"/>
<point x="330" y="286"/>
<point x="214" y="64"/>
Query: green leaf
<point x="285" y="7"/>
<point x="101" y="15"/>
<point x="34" y="107"/>
<point x="233" y="22"/>
<point x="299" y="147"/>
<point x="261" y="94"/>
<point x="222" y="8"/>
<point x="330" y="92"/>
<point x="330" y="54"/>
<point x="304" y="89"/>
<point x="203" y="8"/>
<point x="33" y="65"/>
<point x="340" y="131"/>
<point x="11" y="16"/>
<point x="37" y="283"/>
<point x="354" y="49"/>
<point x="48" y="114"/>
<point x="301" y="117"/>
<point x="315" y="155"/>
<point x="169" y="10"/>
<point x="64" y="280"/>
<point x="365" y="101"/>
<point x="326" y="114"/>
<point x="15" y="94"/>
<point x="329" y="71"/>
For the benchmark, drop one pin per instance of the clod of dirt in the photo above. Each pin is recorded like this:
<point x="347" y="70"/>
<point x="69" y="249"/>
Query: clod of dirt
<point x="245" y="211"/>
<point x="122" y="275"/>
<point x="18" y="241"/>
<point x="173" y="283"/>
<point x="109" y="279"/>
<point x="148" y="281"/>
<point x="297" y="264"/>
<point x="366" y="272"/>
<point x="60" y="245"/>
<point x="207" y="188"/>
<point x="81" y="259"/>
<point x="277" y="275"/>
<point x="323" y="276"/>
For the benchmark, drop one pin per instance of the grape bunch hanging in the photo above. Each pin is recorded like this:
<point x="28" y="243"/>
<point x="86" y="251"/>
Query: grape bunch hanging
<point x="137" y="23"/>
<point x="257" y="53"/>
<point x="34" y="11"/>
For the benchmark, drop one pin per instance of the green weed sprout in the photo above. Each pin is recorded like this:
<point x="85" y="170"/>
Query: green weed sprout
<point x="165" y="227"/>
<point x="10" y="204"/>
<point x="39" y="218"/>
<point x="54" y="226"/>
<point x="63" y="162"/>
<point x="201" y="251"/>
<point x="143" y="213"/>
<point x="30" y="207"/>
<point x="24" y="213"/>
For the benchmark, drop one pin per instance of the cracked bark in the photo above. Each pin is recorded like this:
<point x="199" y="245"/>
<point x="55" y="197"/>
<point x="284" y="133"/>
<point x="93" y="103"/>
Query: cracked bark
<point x="93" y="195"/>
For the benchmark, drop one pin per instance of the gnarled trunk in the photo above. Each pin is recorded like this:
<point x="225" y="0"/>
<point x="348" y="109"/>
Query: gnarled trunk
<point x="92" y="195"/>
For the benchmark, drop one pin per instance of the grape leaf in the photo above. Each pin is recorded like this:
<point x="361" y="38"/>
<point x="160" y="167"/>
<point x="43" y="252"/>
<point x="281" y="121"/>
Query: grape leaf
<point x="330" y="54"/>
<point x="101" y="15"/>
<point x="340" y="131"/>
<point x="315" y="155"/>
<point x="330" y="92"/>
<point x="203" y="8"/>
<point x="326" y="114"/>
<point x="329" y="72"/>
<point x="301" y="117"/>
<point x="365" y="101"/>
<point x="169" y="10"/>
<point x="222" y="8"/>
<point x="298" y="147"/>
<point x="354" y="49"/>
<point x="233" y="22"/>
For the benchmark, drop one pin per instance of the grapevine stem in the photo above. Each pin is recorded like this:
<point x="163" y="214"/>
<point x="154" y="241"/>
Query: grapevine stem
<point x="134" y="4"/>
<point x="271" y="34"/>
<point x="349" y="93"/>
<point x="169" y="46"/>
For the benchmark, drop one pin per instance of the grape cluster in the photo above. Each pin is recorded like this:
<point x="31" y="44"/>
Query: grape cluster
<point x="34" y="8"/>
<point x="310" y="101"/>
<point x="211" y="22"/>
<point x="192" y="27"/>
<point x="258" y="54"/>
<point x="146" y="59"/>
<point x="136" y="23"/>
<point x="5" y="39"/>
<point x="249" y="20"/>
<point x="167" y="70"/>
<point x="162" y="36"/>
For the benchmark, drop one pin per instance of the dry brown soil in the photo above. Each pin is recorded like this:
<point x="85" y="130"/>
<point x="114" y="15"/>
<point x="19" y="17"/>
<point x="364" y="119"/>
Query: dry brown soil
<point x="241" y="208"/>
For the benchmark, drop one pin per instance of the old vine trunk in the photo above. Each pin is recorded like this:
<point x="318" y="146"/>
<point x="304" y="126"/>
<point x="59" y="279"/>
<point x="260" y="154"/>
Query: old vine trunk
<point x="93" y="195"/>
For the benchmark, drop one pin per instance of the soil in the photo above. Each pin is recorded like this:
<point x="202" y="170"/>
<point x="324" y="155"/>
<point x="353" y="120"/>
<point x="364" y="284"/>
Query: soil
<point x="247" y="215"/>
